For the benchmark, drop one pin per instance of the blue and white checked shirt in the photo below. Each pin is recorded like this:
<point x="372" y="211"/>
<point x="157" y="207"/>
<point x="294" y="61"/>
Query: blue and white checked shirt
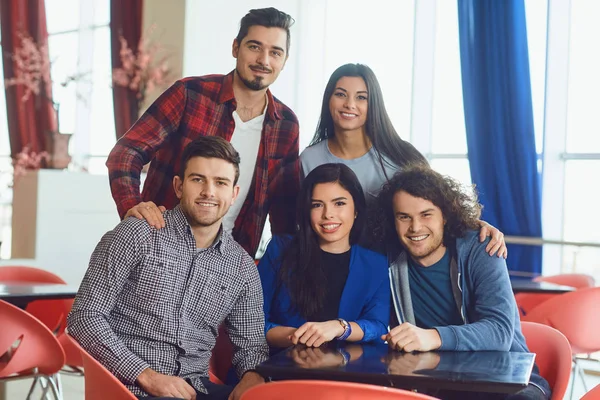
<point x="150" y="299"/>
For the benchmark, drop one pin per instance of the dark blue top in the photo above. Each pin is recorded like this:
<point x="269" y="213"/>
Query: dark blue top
<point x="365" y="297"/>
<point x="431" y="294"/>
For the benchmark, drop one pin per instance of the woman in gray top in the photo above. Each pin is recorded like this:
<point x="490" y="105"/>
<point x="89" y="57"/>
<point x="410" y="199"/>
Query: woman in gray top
<point x="354" y="129"/>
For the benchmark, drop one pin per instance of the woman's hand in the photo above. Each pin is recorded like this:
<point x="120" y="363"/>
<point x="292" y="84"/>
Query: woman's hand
<point x="497" y="245"/>
<point x="314" y="334"/>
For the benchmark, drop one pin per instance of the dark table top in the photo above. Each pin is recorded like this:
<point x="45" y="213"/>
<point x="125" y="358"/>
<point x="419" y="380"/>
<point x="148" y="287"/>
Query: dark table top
<point x="484" y="371"/>
<point x="22" y="293"/>
<point x="526" y="286"/>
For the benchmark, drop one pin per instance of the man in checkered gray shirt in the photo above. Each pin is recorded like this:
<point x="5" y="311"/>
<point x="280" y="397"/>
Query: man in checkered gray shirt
<point x="151" y="301"/>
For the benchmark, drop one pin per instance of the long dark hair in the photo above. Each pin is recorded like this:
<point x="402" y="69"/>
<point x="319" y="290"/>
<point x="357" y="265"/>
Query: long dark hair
<point x="379" y="128"/>
<point x="301" y="270"/>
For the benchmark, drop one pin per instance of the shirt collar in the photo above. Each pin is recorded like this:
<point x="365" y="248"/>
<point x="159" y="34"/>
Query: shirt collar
<point x="226" y="94"/>
<point x="222" y="241"/>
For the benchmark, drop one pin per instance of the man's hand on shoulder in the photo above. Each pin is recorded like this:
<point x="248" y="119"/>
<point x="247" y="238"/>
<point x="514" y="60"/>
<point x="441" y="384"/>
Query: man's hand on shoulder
<point x="249" y="379"/>
<point x="160" y="385"/>
<point x="150" y="212"/>
<point x="407" y="337"/>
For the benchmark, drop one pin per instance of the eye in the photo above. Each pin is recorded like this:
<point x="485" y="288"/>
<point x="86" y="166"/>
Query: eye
<point x="221" y="183"/>
<point x="339" y="94"/>
<point x="315" y="205"/>
<point x="340" y="203"/>
<point x="276" y="53"/>
<point x="403" y="217"/>
<point x="362" y="97"/>
<point x="426" y="215"/>
<point x="253" y="47"/>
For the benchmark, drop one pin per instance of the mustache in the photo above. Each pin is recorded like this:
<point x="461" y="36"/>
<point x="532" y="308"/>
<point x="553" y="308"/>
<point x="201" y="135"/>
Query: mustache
<point x="261" y="68"/>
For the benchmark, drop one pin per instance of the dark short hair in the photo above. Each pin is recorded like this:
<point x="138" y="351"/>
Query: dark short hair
<point x="269" y="18"/>
<point x="460" y="207"/>
<point x="210" y="147"/>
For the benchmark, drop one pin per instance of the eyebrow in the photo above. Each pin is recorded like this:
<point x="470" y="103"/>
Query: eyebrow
<point x="261" y="44"/>
<point x="344" y="90"/>
<point x="422" y="212"/>
<point x="336" y="199"/>
<point x="217" y="178"/>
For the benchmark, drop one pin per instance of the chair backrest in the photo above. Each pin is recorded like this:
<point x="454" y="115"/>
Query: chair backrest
<point x="593" y="394"/>
<point x="527" y="301"/>
<point x="37" y="347"/>
<point x="575" y="315"/>
<point x="100" y="384"/>
<point x="53" y="313"/>
<point x="327" y="390"/>
<point x="553" y="355"/>
<point x="578" y="281"/>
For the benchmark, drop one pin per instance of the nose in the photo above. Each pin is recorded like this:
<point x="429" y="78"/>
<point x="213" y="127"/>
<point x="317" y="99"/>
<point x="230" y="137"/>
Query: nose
<point x="263" y="58"/>
<point x="207" y="190"/>
<point x="327" y="212"/>
<point x="350" y="103"/>
<point x="415" y="225"/>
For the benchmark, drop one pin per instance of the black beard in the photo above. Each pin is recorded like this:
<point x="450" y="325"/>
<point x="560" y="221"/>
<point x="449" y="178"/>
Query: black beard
<point x="255" y="84"/>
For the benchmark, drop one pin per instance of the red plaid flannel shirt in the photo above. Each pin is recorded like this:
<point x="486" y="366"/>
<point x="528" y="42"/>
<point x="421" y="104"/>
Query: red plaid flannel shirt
<point x="203" y="106"/>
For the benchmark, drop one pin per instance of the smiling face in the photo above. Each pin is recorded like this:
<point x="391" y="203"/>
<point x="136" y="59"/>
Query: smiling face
<point x="420" y="227"/>
<point x="349" y="104"/>
<point x="260" y="56"/>
<point x="332" y="216"/>
<point x="206" y="191"/>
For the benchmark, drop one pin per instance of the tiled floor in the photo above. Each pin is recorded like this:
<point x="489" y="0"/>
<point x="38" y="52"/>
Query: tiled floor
<point x="73" y="387"/>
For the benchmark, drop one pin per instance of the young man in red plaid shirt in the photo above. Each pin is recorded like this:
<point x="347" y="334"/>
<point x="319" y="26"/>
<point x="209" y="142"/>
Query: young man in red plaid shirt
<point x="238" y="107"/>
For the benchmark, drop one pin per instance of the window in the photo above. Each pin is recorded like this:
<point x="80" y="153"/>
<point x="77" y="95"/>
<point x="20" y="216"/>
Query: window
<point x="86" y="108"/>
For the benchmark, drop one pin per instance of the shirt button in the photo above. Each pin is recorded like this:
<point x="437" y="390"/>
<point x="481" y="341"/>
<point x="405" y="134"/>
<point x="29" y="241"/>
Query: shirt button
<point x="180" y="342"/>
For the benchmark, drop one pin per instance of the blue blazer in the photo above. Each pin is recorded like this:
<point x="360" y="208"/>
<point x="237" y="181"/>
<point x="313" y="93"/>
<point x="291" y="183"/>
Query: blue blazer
<point x="365" y="299"/>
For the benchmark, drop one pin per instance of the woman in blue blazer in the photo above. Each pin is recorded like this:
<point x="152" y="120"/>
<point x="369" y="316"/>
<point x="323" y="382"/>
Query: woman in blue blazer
<point x="318" y="284"/>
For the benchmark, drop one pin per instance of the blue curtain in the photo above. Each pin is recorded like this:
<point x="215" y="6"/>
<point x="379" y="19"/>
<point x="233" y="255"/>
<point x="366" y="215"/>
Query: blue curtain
<point x="499" y="121"/>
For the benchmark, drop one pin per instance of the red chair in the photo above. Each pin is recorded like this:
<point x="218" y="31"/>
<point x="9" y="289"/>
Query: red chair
<point x="527" y="301"/>
<point x="100" y="384"/>
<point x="29" y="345"/>
<point x="575" y="315"/>
<point x="52" y="313"/>
<point x="593" y="394"/>
<point x="553" y="355"/>
<point x="327" y="390"/>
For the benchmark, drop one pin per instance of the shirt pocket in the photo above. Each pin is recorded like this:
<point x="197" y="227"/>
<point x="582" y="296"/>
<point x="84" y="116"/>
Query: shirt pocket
<point x="214" y="302"/>
<point x="156" y="280"/>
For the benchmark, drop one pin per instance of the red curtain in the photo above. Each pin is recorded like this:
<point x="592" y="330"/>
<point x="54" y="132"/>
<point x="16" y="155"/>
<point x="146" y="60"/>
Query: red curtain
<point x="126" y="21"/>
<point x="29" y="122"/>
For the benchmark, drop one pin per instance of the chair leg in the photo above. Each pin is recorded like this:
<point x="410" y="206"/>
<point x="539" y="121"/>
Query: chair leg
<point x="58" y="384"/>
<point x="573" y="374"/>
<point x="582" y="375"/>
<point x="32" y="388"/>
<point x="55" y="391"/>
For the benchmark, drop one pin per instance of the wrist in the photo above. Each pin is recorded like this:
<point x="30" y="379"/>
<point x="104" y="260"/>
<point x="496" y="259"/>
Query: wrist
<point x="145" y="377"/>
<point x="347" y="329"/>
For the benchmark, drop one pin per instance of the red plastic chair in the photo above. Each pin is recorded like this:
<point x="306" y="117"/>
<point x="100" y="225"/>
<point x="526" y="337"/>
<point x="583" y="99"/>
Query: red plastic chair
<point x="553" y="355"/>
<point x="29" y="345"/>
<point x="327" y="390"/>
<point x="593" y="394"/>
<point x="53" y="313"/>
<point x="576" y="316"/>
<point x="527" y="301"/>
<point x="100" y="384"/>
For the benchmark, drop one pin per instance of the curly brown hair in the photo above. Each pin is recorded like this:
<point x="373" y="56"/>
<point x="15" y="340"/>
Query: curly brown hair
<point x="460" y="207"/>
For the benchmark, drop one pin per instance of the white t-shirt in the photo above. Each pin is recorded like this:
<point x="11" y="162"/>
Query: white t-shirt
<point x="246" y="140"/>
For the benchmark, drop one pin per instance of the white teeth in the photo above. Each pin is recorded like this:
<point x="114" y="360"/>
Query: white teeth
<point x="207" y="204"/>
<point x="418" y="238"/>
<point x="349" y="115"/>
<point x="329" y="227"/>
